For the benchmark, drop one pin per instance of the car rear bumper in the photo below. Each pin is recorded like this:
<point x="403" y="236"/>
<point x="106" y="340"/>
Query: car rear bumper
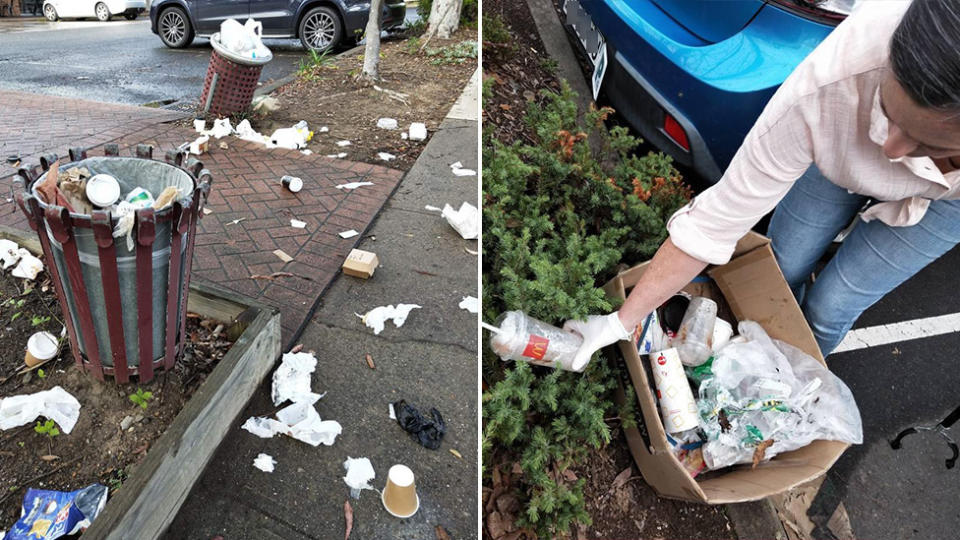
<point x="715" y="91"/>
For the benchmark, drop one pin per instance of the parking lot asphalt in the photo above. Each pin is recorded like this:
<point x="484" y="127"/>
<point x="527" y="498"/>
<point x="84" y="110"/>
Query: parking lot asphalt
<point x="116" y="61"/>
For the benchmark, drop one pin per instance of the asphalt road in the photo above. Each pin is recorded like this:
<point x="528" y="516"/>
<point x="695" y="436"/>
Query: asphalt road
<point x="117" y="61"/>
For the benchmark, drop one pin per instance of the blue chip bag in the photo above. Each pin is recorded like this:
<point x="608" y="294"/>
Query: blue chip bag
<point x="51" y="514"/>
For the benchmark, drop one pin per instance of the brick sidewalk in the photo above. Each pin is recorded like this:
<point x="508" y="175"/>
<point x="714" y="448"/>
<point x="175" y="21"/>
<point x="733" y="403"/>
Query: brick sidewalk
<point x="246" y="185"/>
<point x="31" y="123"/>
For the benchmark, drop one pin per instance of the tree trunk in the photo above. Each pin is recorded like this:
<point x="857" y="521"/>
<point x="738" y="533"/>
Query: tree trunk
<point x="444" y="18"/>
<point x="371" y="53"/>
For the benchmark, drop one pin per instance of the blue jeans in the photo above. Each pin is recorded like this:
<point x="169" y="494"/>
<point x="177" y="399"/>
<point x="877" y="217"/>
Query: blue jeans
<point x="873" y="260"/>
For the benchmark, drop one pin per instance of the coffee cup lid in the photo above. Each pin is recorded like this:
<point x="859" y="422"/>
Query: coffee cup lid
<point x="103" y="190"/>
<point x="43" y="345"/>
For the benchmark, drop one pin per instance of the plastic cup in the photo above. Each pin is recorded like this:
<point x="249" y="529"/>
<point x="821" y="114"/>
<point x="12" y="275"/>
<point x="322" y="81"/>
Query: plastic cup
<point x="695" y="336"/>
<point x="722" y="332"/>
<point x="523" y="338"/>
<point x="103" y="190"/>
<point x="41" y="347"/>
<point x="399" y="496"/>
<point x="292" y="183"/>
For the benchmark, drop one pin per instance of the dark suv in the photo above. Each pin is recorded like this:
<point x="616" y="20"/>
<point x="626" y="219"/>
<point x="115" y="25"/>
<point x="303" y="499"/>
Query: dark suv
<point x="319" y="24"/>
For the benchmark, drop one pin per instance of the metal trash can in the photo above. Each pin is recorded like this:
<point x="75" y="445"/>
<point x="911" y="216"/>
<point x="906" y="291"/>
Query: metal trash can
<point x="125" y="310"/>
<point x="231" y="80"/>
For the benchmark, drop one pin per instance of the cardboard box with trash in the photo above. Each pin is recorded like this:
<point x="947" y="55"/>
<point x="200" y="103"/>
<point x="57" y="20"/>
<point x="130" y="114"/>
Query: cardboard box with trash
<point x="734" y="391"/>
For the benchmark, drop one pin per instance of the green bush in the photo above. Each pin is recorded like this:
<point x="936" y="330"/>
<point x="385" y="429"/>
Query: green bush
<point x="557" y="221"/>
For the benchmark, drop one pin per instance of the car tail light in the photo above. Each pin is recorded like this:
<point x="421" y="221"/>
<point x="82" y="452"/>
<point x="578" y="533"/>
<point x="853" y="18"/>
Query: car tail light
<point x="675" y="131"/>
<point x="830" y="11"/>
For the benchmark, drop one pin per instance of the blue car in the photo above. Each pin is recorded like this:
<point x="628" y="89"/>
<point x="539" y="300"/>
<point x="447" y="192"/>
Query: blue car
<point x="319" y="24"/>
<point x="693" y="76"/>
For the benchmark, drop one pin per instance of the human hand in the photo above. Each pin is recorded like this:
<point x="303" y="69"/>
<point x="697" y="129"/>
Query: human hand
<point x="597" y="332"/>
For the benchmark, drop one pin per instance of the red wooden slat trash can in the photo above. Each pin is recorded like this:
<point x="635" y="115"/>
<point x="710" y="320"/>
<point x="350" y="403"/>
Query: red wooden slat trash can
<point x="124" y="309"/>
<point x="231" y="80"/>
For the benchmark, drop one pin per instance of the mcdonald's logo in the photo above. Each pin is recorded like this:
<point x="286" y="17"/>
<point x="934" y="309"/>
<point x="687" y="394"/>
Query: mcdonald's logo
<point x="536" y="347"/>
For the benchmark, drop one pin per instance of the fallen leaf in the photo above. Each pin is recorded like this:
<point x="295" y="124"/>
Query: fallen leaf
<point x="348" y="517"/>
<point x="495" y="525"/>
<point x="425" y="273"/>
<point x="621" y="478"/>
<point x="724" y="421"/>
<point x="508" y="504"/>
<point x="297" y="349"/>
<point x="370" y="362"/>
<point x="517" y="469"/>
<point x="570" y="475"/>
<point x="760" y="451"/>
<point x="49" y="457"/>
<point x="454" y="452"/>
<point x="442" y="533"/>
<point x="505" y="106"/>
<point x="272" y="276"/>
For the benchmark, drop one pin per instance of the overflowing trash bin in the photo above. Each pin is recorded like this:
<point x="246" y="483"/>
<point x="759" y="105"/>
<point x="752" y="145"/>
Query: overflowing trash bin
<point x="236" y="61"/>
<point x="120" y="257"/>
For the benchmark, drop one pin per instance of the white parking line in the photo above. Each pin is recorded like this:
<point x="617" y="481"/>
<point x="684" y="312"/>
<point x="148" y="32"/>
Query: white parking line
<point x="884" y="334"/>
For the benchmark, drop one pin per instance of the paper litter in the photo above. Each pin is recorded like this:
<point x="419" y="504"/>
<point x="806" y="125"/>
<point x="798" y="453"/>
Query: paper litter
<point x="292" y="138"/>
<point x="9" y="253"/>
<point x="55" y="404"/>
<point x="464" y="172"/>
<point x="353" y="185"/>
<point x="384" y="156"/>
<point x="28" y="267"/>
<point x="432" y="208"/>
<point x="465" y="221"/>
<point x="291" y="381"/>
<point x="393" y="413"/>
<point x="343" y="143"/>
<point x="387" y="123"/>
<point x="306" y="425"/>
<point x="200" y="125"/>
<point x="263" y="427"/>
<point x="418" y="131"/>
<point x="348" y="234"/>
<point x="264" y="462"/>
<point x="378" y="316"/>
<point x="324" y="129"/>
<point x="359" y="474"/>
<point x="404" y="135"/>
<point x="246" y="132"/>
<point x="471" y="304"/>
<point x="282" y="255"/>
<point x="297" y="224"/>
<point x="306" y="151"/>
<point x="221" y="128"/>
<point x="341" y="155"/>
<point x="266" y="104"/>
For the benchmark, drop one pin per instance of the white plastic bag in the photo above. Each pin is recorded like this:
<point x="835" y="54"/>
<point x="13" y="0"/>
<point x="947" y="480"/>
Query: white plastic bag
<point x="236" y="37"/>
<point x="769" y="390"/>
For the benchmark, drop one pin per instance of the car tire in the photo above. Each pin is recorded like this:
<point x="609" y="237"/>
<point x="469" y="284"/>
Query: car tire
<point x="173" y="27"/>
<point x="102" y="12"/>
<point x="130" y="16"/>
<point x="50" y="12"/>
<point x="320" y="29"/>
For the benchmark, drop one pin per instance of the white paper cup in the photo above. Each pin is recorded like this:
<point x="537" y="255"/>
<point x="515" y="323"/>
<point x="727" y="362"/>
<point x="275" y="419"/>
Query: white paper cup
<point x="41" y="347"/>
<point x="399" y="496"/>
<point x="292" y="183"/>
<point x="103" y="190"/>
<point x="722" y="332"/>
<point x="677" y="406"/>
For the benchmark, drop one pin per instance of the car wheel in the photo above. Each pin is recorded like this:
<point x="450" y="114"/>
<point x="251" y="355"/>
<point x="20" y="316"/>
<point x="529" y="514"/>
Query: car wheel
<point x="320" y="29"/>
<point x="130" y="16"/>
<point x="102" y="12"/>
<point x="174" y="28"/>
<point x="50" y="12"/>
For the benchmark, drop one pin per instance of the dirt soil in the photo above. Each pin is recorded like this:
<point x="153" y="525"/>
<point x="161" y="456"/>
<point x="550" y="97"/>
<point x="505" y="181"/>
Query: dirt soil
<point x="329" y="96"/>
<point x="620" y="508"/>
<point x="96" y="450"/>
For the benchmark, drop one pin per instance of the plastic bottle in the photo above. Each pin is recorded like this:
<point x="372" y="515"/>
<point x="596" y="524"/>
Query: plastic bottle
<point x="526" y="339"/>
<point x="695" y="336"/>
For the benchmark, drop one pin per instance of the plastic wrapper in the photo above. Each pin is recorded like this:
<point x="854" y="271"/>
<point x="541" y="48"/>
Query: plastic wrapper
<point x="526" y="339"/>
<point x="650" y="336"/>
<point x="766" y="390"/>
<point x="56" y="404"/>
<point x="47" y="515"/>
<point x="426" y="431"/>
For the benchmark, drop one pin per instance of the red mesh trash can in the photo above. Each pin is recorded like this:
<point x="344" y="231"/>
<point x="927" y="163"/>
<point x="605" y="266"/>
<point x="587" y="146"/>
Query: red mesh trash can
<point x="231" y="80"/>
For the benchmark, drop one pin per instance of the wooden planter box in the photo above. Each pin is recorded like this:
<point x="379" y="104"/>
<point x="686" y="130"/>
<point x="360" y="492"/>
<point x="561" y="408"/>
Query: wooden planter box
<point x="148" y="501"/>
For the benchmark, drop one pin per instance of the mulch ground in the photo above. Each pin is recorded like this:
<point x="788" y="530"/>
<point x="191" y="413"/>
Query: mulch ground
<point x="96" y="450"/>
<point x="329" y="96"/>
<point x="619" y="502"/>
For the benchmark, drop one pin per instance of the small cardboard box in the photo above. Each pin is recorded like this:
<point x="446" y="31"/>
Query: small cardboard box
<point x="754" y="289"/>
<point x="360" y="263"/>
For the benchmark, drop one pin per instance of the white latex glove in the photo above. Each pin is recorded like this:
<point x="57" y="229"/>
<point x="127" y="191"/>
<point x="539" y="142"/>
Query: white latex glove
<point x="597" y="332"/>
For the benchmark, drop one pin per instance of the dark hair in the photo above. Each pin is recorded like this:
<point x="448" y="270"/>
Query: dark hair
<point x="925" y="53"/>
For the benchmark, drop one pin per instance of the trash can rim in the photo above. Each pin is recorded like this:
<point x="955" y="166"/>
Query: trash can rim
<point x="31" y="189"/>
<point x="234" y="57"/>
